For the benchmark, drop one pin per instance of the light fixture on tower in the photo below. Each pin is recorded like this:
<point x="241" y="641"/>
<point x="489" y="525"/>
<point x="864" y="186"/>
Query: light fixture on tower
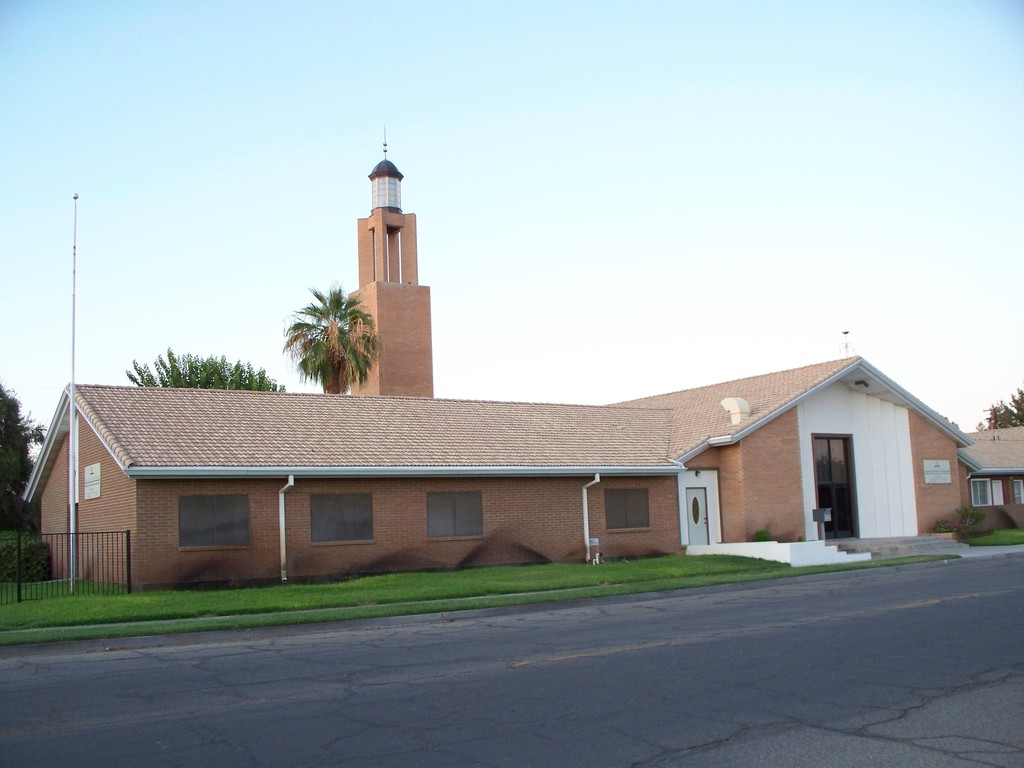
<point x="386" y="183"/>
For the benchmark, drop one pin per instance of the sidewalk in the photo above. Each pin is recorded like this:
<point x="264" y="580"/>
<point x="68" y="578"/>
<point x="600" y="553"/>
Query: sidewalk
<point x="1017" y="549"/>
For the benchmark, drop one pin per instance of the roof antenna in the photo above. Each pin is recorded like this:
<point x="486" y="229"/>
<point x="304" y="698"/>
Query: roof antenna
<point x="385" y="142"/>
<point x="847" y="348"/>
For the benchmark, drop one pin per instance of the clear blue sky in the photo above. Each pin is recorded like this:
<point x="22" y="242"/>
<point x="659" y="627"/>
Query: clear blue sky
<point x="613" y="199"/>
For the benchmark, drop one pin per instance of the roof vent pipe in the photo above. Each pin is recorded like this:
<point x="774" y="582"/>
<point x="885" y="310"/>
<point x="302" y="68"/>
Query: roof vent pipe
<point x="738" y="408"/>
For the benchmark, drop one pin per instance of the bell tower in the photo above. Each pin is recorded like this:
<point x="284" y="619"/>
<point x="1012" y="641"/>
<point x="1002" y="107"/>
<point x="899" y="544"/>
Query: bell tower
<point x="389" y="290"/>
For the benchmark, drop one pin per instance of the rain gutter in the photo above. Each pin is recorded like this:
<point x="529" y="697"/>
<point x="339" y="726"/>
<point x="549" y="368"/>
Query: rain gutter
<point x="171" y="473"/>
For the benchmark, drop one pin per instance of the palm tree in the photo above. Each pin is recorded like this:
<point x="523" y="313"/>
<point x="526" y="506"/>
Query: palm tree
<point x="332" y="341"/>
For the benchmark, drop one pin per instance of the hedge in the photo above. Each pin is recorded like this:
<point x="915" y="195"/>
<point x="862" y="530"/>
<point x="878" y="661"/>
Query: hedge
<point x="35" y="558"/>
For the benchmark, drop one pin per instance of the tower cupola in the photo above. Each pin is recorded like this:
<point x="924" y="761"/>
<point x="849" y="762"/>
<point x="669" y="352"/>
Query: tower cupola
<point x="386" y="184"/>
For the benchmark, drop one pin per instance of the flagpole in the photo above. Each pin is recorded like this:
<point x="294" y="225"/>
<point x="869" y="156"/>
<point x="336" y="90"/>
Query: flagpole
<point x="73" y="423"/>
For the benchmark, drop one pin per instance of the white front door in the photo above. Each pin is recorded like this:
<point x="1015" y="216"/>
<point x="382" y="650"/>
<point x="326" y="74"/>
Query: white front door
<point x="697" y="515"/>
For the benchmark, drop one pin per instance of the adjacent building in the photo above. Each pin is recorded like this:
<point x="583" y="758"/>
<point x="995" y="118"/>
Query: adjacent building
<point x="994" y="475"/>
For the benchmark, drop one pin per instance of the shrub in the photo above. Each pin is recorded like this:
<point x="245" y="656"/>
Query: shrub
<point x="35" y="558"/>
<point x="967" y="521"/>
<point x="763" y="535"/>
<point x="971" y="519"/>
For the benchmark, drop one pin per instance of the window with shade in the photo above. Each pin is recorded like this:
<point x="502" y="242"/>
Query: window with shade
<point x="626" y="508"/>
<point x="340" y="517"/>
<point x="213" y="521"/>
<point x="451" y="515"/>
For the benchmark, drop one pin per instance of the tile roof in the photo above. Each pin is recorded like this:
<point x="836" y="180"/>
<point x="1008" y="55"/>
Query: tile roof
<point x="998" y="449"/>
<point x="1015" y="434"/>
<point x="698" y="413"/>
<point x="162" y="432"/>
<point x="164" y="427"/>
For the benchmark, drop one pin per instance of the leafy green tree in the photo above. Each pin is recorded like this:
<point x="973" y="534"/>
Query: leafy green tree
<point x="332" y="341"/>
<point x="18" y="434"/>
<point x="1003" y="414"/>
<point x="194" y="372"/>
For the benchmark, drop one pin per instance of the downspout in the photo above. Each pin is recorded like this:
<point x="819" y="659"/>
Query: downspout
<point x="586" y="513"/>
<point x="281" y="527"/>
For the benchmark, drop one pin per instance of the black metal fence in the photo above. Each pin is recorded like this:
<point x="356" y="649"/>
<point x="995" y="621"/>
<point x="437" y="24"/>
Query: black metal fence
<point x="34" y="566"/>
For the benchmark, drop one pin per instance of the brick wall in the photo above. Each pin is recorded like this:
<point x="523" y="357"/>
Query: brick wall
<point x="1007" y="514"/>
<point x="114" y="509"/>
<point x="759" y="482"/>
<point x="731" y="490"/>
<point x="962" y="474"/>
<point x="772" y="479"/>
<point x="53" y="504"/>
<point x="935" y="501"/>
<point x="401" y="315"/>
<point x="157" y="557"/>
<point x="524" y="519"/>
<point x="380" y="238"/>
<point x="662" y="537"/>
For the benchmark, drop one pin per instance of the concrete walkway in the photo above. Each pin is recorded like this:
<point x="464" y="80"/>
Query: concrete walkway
<point x="993" y="551"/>
<point x="886" y="548"/>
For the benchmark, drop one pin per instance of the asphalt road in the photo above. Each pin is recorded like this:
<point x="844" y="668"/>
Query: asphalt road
<point x="910" y="666"/>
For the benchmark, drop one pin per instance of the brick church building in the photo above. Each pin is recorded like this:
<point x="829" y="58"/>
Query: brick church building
<point x="220" y="486"/>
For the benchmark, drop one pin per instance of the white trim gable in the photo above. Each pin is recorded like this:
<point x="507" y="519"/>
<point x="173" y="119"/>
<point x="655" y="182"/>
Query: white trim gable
<point x="48" y="451"/>
<point x="860" y="377"/>
<point x="51" y="444"/>
<point x="884" y="495"/>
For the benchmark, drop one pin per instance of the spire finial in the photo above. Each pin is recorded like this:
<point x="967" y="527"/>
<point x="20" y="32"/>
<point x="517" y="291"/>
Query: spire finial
<point x="847" y="348"/>
<point x="385" y="142"/>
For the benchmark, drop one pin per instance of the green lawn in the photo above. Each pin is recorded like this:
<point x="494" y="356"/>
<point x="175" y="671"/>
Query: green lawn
<point x="82" y="617"/>
<point x="1004" y="537"/>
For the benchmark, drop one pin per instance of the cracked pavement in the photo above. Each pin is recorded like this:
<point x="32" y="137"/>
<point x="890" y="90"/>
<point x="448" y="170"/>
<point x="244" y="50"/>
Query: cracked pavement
<point x="910" y="666"/>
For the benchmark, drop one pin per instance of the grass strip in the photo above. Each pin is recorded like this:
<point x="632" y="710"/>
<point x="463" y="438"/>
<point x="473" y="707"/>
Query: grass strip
<point x="1003" y="537"/>
<point x="171" y="612"/>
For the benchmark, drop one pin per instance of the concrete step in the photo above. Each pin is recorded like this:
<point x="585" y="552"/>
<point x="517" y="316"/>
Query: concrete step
<point x="902" y="546"/>
<point x="797" y="554"/>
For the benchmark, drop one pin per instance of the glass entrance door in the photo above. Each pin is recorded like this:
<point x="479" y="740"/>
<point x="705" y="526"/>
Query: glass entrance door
<point x="833" y="474"/>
